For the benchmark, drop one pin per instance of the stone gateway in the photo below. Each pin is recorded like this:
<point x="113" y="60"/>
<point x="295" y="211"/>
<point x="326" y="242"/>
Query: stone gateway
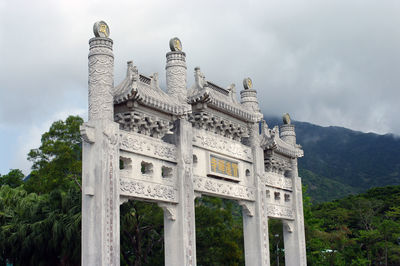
<point x="179" y="144"/>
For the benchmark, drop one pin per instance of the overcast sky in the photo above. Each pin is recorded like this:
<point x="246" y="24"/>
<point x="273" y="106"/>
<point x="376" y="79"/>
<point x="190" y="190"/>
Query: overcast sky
<point x="326" y="62"/>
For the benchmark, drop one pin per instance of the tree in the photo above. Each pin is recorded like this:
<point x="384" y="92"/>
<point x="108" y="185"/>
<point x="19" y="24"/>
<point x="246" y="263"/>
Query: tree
<point x="12" y="179"/>
<point x="39" y="229"/>
<point x="142" y="241"/>
<point x="57" y="163"/>
<point x="219" y="235"/>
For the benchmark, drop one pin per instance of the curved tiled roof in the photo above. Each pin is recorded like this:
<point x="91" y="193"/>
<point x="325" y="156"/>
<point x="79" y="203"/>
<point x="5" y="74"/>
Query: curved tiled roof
<point x="221" y="99"/>
<point x="141" y="89"/>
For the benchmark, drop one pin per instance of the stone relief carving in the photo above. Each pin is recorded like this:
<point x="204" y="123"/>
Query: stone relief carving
<point x="134" y="142"/>
<point x="276" y="163"/>
<point x="279" y="211"/>
<point x="218" y="125"/>
<point x="220" y="144"/>
<point x="142" y="123"/>
<point x="223" y="188"/>
<point x="275" y="180"/>
<point x="264" y="228"/>
<point x="147" y="190"/>
<point x="200" y="79"/>
<point x="101" y="80"/>
<point x="176" y="75"/>
<point x="110" y="142"/>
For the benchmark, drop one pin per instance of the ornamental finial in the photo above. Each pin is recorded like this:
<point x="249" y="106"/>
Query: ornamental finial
<point x="286" y="119"/>
<point x="101" y="29"/>
<point x="175" y="45"/>
<point x="247" y="84"/>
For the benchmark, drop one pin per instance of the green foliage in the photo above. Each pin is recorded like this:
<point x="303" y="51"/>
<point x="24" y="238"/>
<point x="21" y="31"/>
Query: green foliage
<point x="40" y="219"/>
<point x="323" y="189"/>
<point x="142" y="235"/>
<point x="57" y="162"/>
<point x="12" y="179"/>
<point x="357" y="230"/>
<point x="219" y="234"/>
<point x="339" y="161"/>
<point x="39" y="229"/>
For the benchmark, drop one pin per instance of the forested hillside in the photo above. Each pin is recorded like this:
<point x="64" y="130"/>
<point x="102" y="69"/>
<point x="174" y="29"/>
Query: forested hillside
<point x="339" y="161"/>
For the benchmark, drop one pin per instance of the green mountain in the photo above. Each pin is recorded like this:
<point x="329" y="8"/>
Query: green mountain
<point x="339" y="161"/>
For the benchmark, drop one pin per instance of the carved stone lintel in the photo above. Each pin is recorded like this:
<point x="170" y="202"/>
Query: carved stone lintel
<point x="275" y="180"/>
<point x="206" y="185"/>
<point x="248" y="207"/>
<point x="169" y="210"/>
<point x="220" y="144"/>
<point x="148" y="190"/>
<point x="137" y="143"/>
<point x="280" y="212"/>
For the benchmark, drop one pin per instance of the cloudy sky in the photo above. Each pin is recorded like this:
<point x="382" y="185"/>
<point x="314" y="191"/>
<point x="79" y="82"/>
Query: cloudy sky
<point x="326" y="62"/>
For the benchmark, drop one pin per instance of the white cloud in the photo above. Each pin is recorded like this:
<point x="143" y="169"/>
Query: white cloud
<point x="333" y="63"/>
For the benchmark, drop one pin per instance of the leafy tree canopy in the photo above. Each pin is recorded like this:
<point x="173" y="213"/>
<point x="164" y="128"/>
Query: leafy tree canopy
<point x="12" y="179"/>
<point x="57" y="162"/>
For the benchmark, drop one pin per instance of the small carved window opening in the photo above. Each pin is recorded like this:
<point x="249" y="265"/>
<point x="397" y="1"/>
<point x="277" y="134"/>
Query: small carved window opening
<point x="267" y="194"/>
<point x="146" y="168"/>
<point x="287" y="197"/>
<point x="125" y="163"/>
<point x="194" y="159"/>
<point x="166" y="172"/>
<point x="277" y="195"/>
<point x="247" y="173"/>
<point x="287" y="173"/>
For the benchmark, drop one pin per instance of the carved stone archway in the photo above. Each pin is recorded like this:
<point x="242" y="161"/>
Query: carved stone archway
<point x="179" y="144"/>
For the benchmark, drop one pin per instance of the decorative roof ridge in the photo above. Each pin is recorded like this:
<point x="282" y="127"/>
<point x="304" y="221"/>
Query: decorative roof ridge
<point x="199" y="95"/>
<point x="144" y="89"/>
<point x="220" y="102"/>
<point x="274" y="142"/>
<point x="217" y="88"/>
<point x="233" y="108"/>
<point x="218" y="97"/>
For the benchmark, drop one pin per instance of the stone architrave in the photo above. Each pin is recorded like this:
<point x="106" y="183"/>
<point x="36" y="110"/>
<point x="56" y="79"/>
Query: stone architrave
<point x="170" y="146"/>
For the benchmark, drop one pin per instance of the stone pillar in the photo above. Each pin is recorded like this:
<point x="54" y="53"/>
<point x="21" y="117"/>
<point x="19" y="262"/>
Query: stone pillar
<point x="100" y="160"/>
<point x="287" y="133"/>
<point x="255" y="227"/>
<point x="101" y="78"/>
<point x="293" y="231"/>
<point x="179" y="232"/>
<point x="248" y="96"/>
<point x="176" y="71"/>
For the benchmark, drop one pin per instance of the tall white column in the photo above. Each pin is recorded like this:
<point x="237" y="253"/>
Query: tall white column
<point x="100" y="162"/>
<point x="255" y="226"/>
<point x="176" y="71"/>
<point x="293" y="231"/>
<point x="179" y="229"/>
